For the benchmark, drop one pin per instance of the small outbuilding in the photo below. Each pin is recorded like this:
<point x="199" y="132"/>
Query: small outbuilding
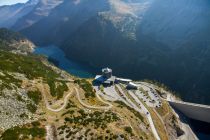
<point x="124" y="81"/>
<point x="131" y="85"/>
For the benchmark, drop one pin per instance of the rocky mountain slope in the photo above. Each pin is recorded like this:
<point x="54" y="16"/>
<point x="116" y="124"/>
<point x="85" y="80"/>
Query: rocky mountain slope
<point x="64" y="20"/>
<point x="9" y="15"/>
<point x="161" y="40"/>
<point x="39" y="101"/>
<point x="15" y="42"/>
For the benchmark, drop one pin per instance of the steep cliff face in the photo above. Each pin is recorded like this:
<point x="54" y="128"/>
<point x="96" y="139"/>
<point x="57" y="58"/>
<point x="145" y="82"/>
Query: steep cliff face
<point x="175" y="23"/>
<point x="9" y="15"/>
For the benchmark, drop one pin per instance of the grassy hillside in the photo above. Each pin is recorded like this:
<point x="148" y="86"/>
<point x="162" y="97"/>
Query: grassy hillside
<point x="31" y="86"/>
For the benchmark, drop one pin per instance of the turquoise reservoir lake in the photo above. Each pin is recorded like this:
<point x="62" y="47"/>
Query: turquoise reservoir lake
<point x="57" y="56"/>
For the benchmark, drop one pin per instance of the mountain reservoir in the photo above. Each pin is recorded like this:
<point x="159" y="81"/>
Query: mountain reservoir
<point x="57" y="57"/>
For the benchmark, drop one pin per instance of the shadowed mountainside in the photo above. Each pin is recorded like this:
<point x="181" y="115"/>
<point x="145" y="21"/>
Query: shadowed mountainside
<point x="161" y="40"/>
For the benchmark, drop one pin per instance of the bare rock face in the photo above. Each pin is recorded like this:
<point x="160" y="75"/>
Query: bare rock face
<point x="13" y="112"/>
<point x="23" y="47"/>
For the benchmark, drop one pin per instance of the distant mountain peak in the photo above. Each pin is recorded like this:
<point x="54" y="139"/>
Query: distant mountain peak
<point x="41" y="10"/>
<point x="77" y="2"/>
<point x="10" y="14"/>
<point x="32" y="2"/>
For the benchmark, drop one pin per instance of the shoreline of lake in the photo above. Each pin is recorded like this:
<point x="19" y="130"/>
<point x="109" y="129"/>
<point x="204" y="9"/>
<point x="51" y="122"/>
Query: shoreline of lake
<point x="58" y="58"/>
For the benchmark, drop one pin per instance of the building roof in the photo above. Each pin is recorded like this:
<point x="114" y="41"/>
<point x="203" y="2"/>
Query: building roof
<point x="132" y="84"/>
<point x="107" y="82"/>
<point x="106" y="70"/>
<point x="124" y="80"/>
<point x="102" y="79"/>
<point x="112" y="78"/>
<point x="99" y="78"/>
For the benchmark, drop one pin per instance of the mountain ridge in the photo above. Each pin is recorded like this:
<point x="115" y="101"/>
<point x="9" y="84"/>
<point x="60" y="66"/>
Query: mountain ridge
<point x="41" y="10"/>
<point x="14" y="12"/>
<point x="165" y="41"/>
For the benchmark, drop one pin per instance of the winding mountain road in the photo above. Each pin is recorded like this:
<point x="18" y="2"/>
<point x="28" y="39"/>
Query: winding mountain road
<point x="109" y="105"/>
<point x="47" y="104"/>
<point x="94" y="107"/>
<point x="62" y="107"/>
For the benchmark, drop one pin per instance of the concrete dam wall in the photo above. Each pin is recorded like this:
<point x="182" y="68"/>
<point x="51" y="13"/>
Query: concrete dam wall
<point x="193" y="111"/>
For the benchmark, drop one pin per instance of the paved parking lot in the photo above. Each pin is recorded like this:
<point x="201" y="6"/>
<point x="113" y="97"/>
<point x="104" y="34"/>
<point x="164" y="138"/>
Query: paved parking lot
<point x="148" y="95"/>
